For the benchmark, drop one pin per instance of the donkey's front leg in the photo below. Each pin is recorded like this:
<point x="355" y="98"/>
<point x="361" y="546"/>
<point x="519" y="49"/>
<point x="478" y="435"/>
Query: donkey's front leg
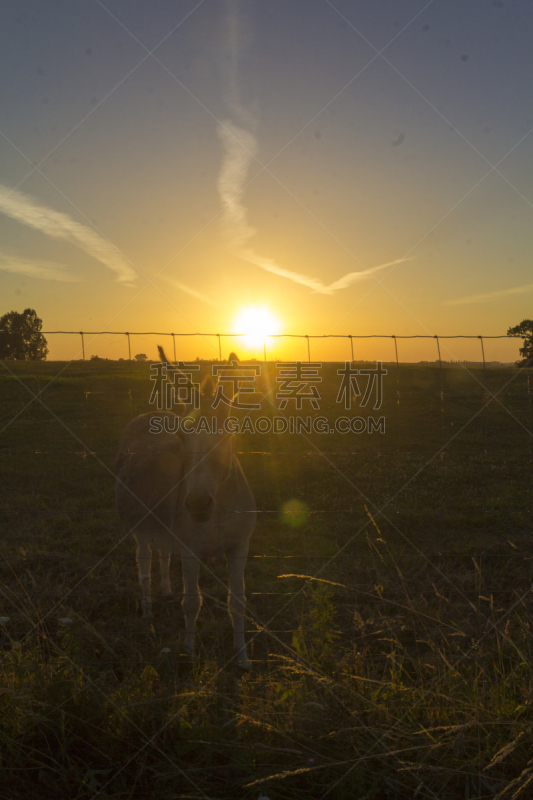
<point x="236" y="559"/>
<point x="192" y="599"/>
<point x="144" y="563"/>
<point x="164" y="568"/>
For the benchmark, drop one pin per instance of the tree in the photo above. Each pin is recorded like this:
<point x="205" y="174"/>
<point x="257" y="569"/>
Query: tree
<point x="21" y="338"/>
<point x="525" y="331"/>
<point x="140" y="357"/>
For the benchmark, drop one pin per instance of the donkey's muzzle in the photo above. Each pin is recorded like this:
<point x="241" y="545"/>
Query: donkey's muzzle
<point x="200" y="505"/>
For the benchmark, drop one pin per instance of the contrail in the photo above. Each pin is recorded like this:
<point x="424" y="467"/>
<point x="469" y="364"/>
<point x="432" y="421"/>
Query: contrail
<point x="484" y="298"/>
<point x="240" y="145"/>
<point x="23" y="208"/>
<point x="191" y="292"/>
<point x="36" y="269"/>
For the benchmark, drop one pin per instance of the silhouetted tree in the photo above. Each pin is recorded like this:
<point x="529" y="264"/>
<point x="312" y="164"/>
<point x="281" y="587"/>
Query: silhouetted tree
<point x="525" y="331"/>
<point x="140" y="357"/>
<point x="21" y="338"/>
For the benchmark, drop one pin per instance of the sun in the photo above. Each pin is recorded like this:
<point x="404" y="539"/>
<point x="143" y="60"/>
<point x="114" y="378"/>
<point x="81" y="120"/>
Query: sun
<point x="257" y="323"/>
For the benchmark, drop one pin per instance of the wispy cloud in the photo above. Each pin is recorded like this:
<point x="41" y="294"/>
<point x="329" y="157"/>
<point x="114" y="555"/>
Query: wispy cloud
<point x="191" y="292"/>
<point x="487" y="296"/>
<point x="36" y="269"/>
<point x="240" y="146"/>
<point x="23" y="208"/>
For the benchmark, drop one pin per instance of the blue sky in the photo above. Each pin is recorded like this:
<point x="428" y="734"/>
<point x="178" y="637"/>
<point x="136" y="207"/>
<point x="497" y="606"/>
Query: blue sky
<point x="166" y="165"/>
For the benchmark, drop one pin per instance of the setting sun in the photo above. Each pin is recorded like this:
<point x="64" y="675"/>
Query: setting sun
<point x="256" y="323"/>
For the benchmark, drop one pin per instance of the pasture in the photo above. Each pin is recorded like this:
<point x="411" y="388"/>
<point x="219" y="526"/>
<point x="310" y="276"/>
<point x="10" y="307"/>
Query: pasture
<point x="389" y="618"/>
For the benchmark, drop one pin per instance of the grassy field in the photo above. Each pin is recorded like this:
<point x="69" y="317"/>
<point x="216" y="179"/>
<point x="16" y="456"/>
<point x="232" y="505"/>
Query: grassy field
<point x="391" y="628"/>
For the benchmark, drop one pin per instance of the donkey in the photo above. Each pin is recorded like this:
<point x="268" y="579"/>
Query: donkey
<point x="185" y="491"/>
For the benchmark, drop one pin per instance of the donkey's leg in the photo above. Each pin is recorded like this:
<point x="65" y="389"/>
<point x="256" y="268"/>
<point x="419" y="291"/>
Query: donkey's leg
<point x="236" y="559"/>
<point x="144" y="563"/>
<point x="192" y="599"/>
<point x="167" y="545"/>
<point x="164" y="565"/>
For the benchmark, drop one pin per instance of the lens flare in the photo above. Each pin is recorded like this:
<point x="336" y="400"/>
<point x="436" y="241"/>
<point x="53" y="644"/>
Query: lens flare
<point x="294" y="513"/>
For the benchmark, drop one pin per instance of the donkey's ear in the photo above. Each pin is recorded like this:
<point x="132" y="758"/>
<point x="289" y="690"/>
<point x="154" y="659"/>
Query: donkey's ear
<point x="173" y="371"/>
<point x="162" y="355"/>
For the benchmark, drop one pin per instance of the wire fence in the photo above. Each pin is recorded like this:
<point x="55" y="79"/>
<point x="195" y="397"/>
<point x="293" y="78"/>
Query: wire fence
<point x="306" y="337"/>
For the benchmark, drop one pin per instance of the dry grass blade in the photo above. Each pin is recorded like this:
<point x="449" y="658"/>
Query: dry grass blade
<point x="523" y="780"/>
<point x="505" y="751"/>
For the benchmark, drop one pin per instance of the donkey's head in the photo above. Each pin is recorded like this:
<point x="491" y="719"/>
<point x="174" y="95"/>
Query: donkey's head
<point x="208" y="444"/>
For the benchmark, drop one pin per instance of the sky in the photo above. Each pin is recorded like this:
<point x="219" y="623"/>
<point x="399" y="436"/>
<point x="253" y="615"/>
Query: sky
<point x="355" y="168"/>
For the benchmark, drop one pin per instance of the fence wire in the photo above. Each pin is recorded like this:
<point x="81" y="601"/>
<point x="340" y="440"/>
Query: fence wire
<point x="270" y="336"/>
